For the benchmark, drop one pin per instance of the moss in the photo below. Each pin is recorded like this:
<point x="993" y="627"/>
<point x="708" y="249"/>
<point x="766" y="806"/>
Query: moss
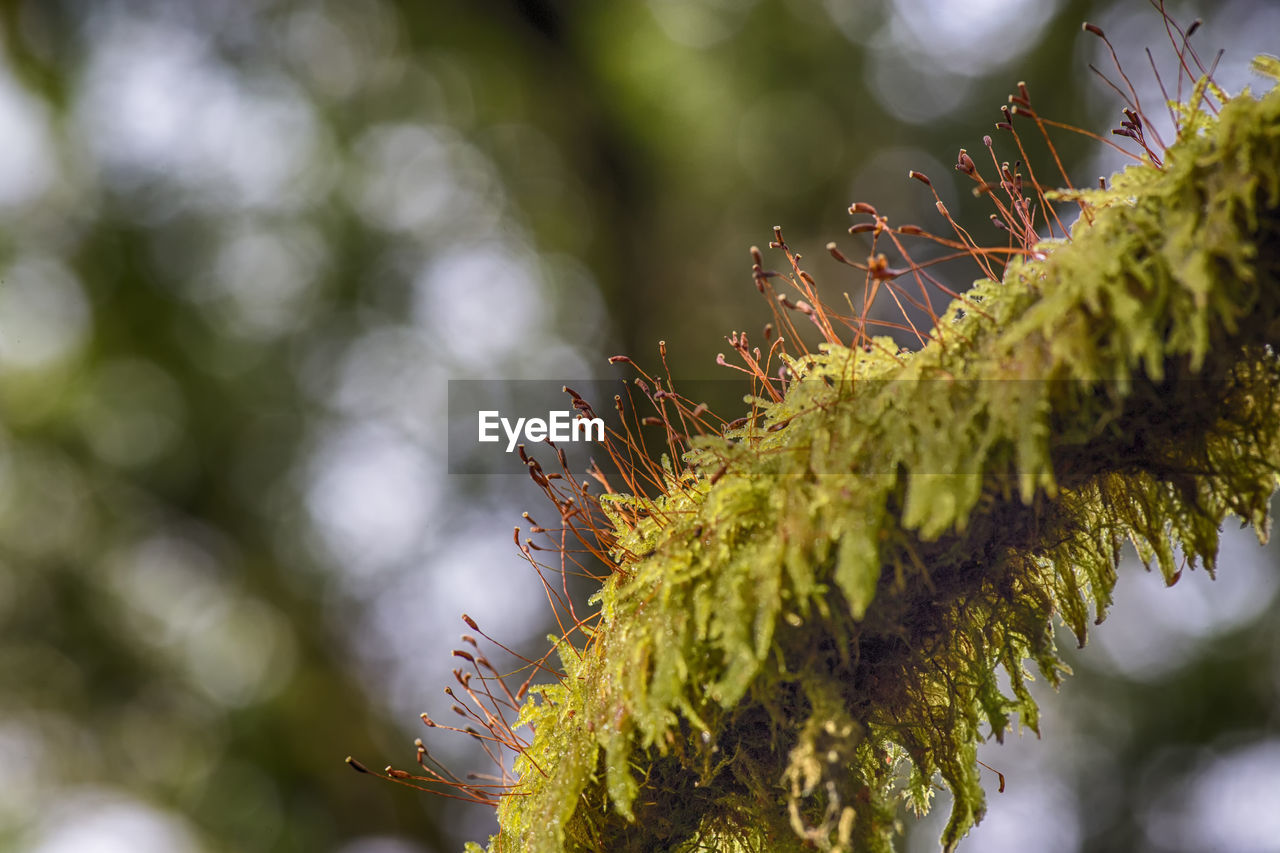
<point x="809" y="624"/>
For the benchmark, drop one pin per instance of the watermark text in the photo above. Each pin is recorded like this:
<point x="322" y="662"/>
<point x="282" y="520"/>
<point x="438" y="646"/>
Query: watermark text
<point x="558" y="426"/>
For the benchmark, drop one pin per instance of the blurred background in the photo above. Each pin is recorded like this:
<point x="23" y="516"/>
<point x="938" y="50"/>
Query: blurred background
<point x="244" y="245"/>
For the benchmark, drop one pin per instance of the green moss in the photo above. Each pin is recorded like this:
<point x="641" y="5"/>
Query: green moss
<point x="808" y="627"/>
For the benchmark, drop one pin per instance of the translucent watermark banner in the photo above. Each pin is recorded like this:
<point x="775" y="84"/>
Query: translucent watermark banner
<point x="491" y="422"/>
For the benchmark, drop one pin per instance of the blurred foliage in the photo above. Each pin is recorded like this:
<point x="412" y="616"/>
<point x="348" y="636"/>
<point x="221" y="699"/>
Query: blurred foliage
<point x="243" y="244"/>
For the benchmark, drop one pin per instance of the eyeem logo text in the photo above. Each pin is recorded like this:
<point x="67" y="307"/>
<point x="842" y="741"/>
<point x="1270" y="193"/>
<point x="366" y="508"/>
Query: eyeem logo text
<point x="558" y="426"/>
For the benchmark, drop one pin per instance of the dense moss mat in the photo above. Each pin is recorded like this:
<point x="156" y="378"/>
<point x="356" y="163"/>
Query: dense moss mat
<point x="810" y="626"/>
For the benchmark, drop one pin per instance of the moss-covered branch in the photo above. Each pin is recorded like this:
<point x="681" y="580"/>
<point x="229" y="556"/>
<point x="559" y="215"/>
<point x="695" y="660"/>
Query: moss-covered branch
<point x="806" y="627"/>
